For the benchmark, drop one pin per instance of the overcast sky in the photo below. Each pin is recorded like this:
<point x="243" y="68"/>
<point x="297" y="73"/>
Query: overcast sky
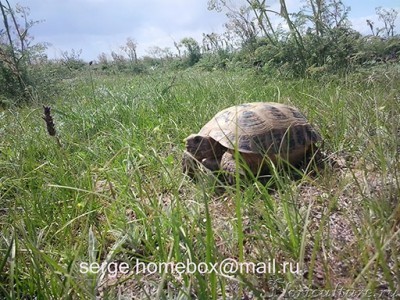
<point x="97" y="26"/>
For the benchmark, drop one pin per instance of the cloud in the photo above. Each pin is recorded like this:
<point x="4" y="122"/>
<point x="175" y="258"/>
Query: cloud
<point x="97" y="26"/>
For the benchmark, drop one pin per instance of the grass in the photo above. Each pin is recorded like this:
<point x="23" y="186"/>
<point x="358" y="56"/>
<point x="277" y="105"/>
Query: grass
<point x="114" y="191"/>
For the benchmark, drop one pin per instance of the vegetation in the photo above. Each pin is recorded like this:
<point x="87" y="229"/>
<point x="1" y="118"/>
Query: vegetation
<point x="319" y="40"/>
<point x="95" y="178"/>
<point x="109" y="188"/>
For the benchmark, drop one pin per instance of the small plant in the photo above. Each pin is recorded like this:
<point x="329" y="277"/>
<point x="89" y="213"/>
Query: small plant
<point x="51" y="128"/>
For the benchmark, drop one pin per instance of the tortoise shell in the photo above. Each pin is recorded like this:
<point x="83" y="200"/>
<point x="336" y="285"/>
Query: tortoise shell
<point x="264" y="128"/>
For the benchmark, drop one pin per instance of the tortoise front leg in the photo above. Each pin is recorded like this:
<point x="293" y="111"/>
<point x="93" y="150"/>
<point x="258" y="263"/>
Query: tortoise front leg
<point x="229" y="167"/>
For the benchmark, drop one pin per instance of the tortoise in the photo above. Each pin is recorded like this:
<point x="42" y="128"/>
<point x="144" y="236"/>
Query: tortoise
<point x="260" y="132"/>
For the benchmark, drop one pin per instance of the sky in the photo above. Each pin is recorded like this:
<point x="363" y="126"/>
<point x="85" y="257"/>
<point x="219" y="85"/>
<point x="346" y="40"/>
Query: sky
<point x="96" y="26"/>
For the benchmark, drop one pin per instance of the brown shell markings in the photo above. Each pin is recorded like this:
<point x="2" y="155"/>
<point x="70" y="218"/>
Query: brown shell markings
<point x="261" y="127"/>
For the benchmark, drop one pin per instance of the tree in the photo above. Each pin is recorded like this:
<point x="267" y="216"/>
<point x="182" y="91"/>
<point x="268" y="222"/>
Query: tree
<point x="317" y="36"/>
<point x="388" y="17"/>
<point x="192" y="50"/>
<point x="119" y="60"/>
<point x="327" y="40"/>
<point x="212" y="42"/>
<point x="260" y="10"/>
<point x="241" y="21"/>
<point x="130" y="49"/>
<point x="102" y="59"/>
<point x="159" y="55"/>
<point x="335" y="14"/>
<point x="71" y="59"/>
<point x="17" y="50"/>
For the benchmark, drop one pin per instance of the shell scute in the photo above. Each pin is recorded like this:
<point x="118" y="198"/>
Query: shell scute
<point x="296" y="114"/>
<point x="277" y="113"/>
<point x="224" y="117"/>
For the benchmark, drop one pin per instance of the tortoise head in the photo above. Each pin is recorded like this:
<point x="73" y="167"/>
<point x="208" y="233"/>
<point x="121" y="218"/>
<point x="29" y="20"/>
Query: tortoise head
<point x="201" y="146"/>
<point x="197" y="144"/>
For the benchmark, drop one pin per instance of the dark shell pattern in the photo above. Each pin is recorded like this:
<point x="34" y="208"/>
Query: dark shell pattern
<point x="262" y="128"/>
